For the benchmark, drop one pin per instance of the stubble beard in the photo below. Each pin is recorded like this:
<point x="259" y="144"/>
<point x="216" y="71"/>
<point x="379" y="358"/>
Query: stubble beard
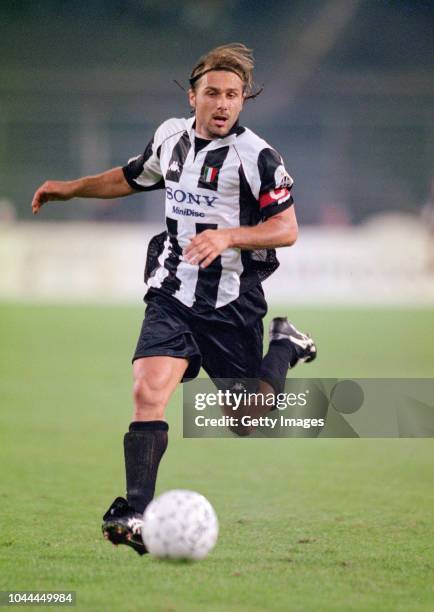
<point x="220" y="134"/>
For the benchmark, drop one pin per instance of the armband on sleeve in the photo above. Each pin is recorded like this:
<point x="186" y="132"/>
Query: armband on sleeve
<point x="276" y="184"/>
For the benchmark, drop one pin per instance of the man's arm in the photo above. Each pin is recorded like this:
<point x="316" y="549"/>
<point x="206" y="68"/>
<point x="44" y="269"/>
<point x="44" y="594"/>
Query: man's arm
<point x="279" y="230"/>
<point x="110" y="184"/>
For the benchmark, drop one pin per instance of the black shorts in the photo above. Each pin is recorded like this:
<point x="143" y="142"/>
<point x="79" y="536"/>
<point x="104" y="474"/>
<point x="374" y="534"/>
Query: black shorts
<point x="227" y="342"/>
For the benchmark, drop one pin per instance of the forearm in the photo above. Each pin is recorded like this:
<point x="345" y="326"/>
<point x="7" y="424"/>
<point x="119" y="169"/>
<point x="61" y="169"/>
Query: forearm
<point x="279" y="230"/>
<point x="110" y="184"/>
<point x="273" y="233"/>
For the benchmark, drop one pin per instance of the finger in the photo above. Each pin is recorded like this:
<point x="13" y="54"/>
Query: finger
<point x="197" y="258"/>
<point x="40" y="198"/>
<point x="200" y="256"/>
<point x="208" y="260"/>
<point x="36" y="205"/>
<point x="196" y="252"/>
<point x="201" y="248"/>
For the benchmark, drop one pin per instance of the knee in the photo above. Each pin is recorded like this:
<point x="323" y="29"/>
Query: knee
<point x="150" y="397"/>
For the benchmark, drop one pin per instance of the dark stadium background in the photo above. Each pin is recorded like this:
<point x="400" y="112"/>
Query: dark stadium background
<point x="347" y="95"/>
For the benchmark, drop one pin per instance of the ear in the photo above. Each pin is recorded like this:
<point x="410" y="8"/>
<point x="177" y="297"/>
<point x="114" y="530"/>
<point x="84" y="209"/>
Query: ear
<point x="192" y="98"/>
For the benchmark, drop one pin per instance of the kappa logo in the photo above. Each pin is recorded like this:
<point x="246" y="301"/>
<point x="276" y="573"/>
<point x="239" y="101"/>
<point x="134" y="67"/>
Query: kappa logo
<point x="174" y="167"/>
<point x="282" y="179"/>
<point x="189" y="198"/>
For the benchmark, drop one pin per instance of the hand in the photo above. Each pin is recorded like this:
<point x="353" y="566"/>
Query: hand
<point x="206" y="246"/>
<point x="51" y="190"/>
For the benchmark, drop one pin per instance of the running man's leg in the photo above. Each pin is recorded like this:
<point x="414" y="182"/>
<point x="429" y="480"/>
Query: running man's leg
<point x="165" y="353"/>
<point x="287" y="348"/>
<point x="231" y="343"/>
<point x="155" y="379"/>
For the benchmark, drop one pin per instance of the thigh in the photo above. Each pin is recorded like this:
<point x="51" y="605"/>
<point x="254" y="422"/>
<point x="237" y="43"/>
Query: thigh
<point x="161" y="373"/>
<point x="155" y="379"/>
<point x="166" y="332"/>
<point x="231" y="341"/>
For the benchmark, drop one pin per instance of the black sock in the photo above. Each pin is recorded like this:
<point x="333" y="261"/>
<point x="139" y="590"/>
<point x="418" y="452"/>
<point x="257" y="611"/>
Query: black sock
<point x="281" y="356"/>
<point x="144" y="445"/>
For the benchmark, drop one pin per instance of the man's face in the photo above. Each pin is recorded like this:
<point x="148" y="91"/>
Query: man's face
<point x="217" y="100"/>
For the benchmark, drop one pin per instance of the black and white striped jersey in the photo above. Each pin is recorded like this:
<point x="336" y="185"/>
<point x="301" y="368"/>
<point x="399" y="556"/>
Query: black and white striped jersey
<point x="233" y="181"/>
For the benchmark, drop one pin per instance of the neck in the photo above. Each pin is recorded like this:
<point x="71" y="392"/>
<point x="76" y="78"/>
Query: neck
<point x="203" y="136"/>
<point x="203" y="133"/>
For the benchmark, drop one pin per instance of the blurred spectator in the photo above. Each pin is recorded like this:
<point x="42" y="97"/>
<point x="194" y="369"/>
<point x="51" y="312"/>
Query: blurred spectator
<point x="335" y="214"/>
<point x="7" y="211"/>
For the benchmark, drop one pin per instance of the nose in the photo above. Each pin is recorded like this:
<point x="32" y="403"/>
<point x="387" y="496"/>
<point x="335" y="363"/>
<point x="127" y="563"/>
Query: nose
<point x="222" y="102"/>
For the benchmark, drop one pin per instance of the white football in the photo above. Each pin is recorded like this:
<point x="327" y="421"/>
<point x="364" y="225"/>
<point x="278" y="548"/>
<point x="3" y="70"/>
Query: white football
<point x="180" y="524"/>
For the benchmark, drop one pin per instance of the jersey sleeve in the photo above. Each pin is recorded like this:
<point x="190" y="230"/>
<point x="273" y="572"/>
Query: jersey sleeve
<point x="143" y="172"/>
<point x="275" y="184"/>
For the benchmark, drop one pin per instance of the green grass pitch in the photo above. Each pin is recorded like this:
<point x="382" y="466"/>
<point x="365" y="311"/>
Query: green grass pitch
<point x="305" y="524"/>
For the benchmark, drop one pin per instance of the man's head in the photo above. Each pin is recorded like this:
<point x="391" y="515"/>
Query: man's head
<point x="219" y="84"/>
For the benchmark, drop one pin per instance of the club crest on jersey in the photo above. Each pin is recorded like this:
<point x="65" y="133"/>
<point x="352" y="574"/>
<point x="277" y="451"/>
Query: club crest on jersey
<point x="210" y="171"/>
<point x="282" y="179"/>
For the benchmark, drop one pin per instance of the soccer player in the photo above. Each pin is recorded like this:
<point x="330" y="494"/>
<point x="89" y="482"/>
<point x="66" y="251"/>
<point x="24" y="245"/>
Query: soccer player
<point x="228" y="206"/>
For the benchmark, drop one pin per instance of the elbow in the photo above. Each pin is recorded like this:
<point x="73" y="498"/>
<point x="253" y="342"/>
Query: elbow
<point x="291" y="235"/>
<point x="286" y="229"/>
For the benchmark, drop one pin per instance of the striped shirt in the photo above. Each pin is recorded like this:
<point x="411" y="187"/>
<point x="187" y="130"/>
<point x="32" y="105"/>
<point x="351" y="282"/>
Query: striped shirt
<point x="238" y="180"/>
